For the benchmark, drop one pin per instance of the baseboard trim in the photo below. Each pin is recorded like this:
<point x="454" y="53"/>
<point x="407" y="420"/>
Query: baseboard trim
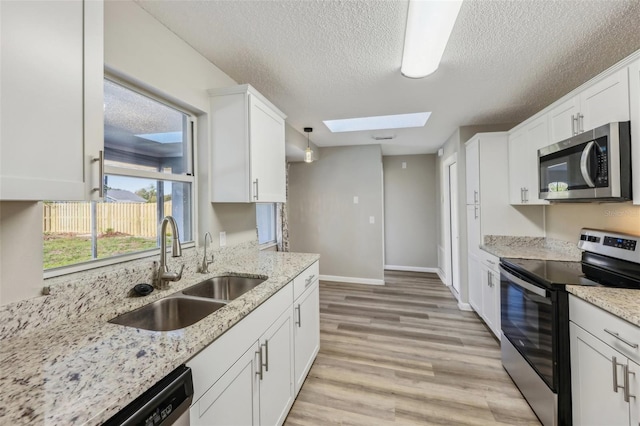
<point x="464" y="306"/>
<point x="410" y="268"/>
<point x="442" y="276"/>
<point x="351" y="280"/>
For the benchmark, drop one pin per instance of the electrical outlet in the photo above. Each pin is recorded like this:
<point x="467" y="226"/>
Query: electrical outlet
<point x="404" y="164"/>
<point x="372" y="219"/>
<point x="223" y="239"/>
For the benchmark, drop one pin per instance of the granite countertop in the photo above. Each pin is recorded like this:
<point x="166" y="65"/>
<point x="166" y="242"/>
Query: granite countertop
<point x="621" y="302"/>
<point x="84" y="370"/>
<point x="531" y="248"/>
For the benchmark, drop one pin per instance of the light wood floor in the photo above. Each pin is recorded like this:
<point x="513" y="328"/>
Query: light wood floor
<point x="404" y="354"/>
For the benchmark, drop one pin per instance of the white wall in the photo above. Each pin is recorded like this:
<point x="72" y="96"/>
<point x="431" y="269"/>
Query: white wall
<point x="324" y="219"/>
<point x="410" y="208"/>
<point x="564" y="221"/>
<point x="21" y="251"/>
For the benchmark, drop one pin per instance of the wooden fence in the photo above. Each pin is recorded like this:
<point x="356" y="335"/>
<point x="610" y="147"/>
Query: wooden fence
<point x="139" y="219"/>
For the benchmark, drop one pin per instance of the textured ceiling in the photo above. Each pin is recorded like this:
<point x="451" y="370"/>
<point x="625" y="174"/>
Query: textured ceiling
<point x="324" y="59"/>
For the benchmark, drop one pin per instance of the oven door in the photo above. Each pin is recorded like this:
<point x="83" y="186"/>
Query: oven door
<point x="575" y="168"/>
<point x="527" y="321"/>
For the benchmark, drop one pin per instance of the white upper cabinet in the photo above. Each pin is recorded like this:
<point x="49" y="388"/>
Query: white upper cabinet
<point x="523" y="161"/>
<point x="247" y="147"/>
<point x="52" y="103"/>
<point x="634" y="101"/>
<point x="605" y="101"/>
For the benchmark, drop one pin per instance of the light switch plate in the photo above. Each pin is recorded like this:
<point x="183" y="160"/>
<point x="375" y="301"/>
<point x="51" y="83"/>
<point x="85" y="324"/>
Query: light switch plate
<point x="223" y="239"/>
<point x="355" y="199"/>
<point x="404" y="164"/>
<point x="372" y="219"/>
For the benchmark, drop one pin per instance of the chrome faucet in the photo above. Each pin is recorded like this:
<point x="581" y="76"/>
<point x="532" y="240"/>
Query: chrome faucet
<point x="204" y="268"/>
<point x="163" y="276"/>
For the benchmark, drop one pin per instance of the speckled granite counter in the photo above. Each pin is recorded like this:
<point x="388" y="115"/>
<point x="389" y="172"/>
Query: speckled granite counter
<point x="530" y="248"/>
<point x="83" y="370"/>
<point x="621" y="302"/>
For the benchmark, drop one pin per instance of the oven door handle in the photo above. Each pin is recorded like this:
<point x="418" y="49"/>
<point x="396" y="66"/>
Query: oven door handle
<point x="522" y="283"/>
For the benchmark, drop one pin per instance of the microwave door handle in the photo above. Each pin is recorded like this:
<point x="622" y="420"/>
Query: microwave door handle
<point x="584" y="164"/>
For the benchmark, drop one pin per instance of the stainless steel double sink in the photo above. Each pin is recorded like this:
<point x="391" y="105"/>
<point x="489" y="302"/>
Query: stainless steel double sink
<point x="189" y="306"/>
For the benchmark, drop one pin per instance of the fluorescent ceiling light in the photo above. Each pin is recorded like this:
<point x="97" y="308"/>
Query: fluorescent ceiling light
<point x="381" y="122"/>
<point x="429" y="25"/>
<point x="167" y="137"/>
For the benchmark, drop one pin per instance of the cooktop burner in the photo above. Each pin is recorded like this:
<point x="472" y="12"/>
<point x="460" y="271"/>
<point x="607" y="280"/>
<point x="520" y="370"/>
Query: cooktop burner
<point x="550" y="272"/>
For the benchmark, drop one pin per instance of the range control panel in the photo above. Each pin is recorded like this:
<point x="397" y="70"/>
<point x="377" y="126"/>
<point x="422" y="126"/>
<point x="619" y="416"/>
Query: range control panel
<point x="623" y="243"/>
<point x="612" y="244"/>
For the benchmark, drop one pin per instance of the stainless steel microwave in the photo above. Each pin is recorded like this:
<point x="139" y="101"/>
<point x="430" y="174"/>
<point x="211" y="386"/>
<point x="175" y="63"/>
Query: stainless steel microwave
<point x="592" y="166"/>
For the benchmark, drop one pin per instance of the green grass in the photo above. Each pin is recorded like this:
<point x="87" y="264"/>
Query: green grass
<point x="67" y="249"/>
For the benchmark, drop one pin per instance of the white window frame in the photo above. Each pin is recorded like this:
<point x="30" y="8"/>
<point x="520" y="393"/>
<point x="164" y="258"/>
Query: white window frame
<point x="123" y="171"/>
<point x="274" y="242"/>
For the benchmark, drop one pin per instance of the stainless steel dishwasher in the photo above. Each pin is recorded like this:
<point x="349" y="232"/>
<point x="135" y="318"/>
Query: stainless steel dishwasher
<point x="165" y="403"/>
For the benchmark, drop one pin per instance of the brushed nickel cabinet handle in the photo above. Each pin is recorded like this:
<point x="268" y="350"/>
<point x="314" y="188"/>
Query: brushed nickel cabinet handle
<point x="626" y="373"/>
<point x="259" y="372"/>
<point x="622" y="339"/>
<point x="256" y="195"/>
<point x="100" y="161"/>
<point x="580" y="123"/>
<point x="299" y="322"/>
<point x="266" y="355"/>
<point x="309" y="280"/>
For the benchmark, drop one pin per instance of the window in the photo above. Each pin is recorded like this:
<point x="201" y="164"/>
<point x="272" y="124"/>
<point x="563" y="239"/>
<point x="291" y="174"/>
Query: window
<point x="266" y="220"/>
<point x="148" y="147"/>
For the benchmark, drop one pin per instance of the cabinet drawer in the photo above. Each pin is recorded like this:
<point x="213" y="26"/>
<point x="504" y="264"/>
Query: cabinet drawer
<point x="305" y="279"/>
<point x="490" y="261"/>
<point x="601" y="324"/>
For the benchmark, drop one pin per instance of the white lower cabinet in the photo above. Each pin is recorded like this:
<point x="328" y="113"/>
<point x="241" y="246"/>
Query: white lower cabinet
<point x="251" y="374"/>
<point x="233" y="400"/>
<point x="605" y="379"/>
<point x="484" y="289"/>
<point x="276" y="371"/>
<point x="306" y="332"/>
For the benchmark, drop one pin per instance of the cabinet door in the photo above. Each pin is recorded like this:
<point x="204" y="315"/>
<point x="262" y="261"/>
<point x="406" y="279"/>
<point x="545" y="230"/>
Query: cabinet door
<point x="276" y="386"/>
<point x="537" y="137"/>
<point x="474" y="233"/>
<point x="473" y="171"/>
<point x="563" y="120"/>
<point x="42" y="82"/>
<point x="233" y="399"/>
<point x="606" y="101"/>
<point x="306" y="332"/>
<point x="518" y="177"/>
<point x="489" y="290"/>
<point x="475" y="283"/>
<point x="592" y="380"/>
<point x="268" y="164"/>
<point x="634" y="107"/>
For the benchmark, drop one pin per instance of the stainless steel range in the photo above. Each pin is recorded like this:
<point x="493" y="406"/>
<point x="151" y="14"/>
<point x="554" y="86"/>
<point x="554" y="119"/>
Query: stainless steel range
<point x="535" y="315"/>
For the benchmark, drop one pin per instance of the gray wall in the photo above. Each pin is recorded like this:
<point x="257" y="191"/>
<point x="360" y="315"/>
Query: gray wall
<point x="564" y="221"/>
<point x="324" y="219"/>
<point x="410" y="208"/>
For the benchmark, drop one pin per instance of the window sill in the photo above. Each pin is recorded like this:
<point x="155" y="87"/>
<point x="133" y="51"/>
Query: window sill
<point x="267" y="246"/>
<point x="92" y="264"/>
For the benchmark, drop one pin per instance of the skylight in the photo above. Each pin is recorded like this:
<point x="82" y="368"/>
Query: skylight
<point x="381" y="122"/>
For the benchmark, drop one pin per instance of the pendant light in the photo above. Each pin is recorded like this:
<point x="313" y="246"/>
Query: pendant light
<point x="308" y="153"/>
